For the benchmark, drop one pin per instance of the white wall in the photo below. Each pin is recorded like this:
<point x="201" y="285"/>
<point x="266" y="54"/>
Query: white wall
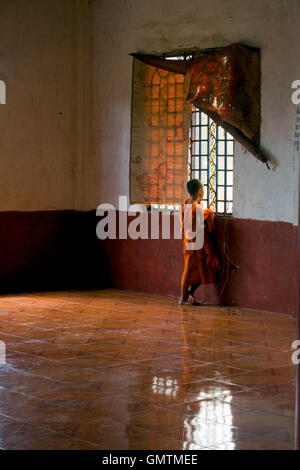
<point x="123" y="26"/>
<point x="42" y="138"/>
<point x="54" y="104"/>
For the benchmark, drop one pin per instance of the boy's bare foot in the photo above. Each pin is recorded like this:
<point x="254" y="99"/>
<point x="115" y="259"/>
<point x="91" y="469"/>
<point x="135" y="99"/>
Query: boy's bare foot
<point x="192" y="300"/>
<point x="191" y="297"/>
<point x="196" y="304"/>
<point x="192" y="303"/>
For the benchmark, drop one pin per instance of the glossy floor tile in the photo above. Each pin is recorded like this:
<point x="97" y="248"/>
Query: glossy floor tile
<point x="122" y="370"/>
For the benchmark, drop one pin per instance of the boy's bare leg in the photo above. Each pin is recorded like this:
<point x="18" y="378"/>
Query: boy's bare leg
<point x="184" y="285"/>
<point x="184" y="295"/>
<point x="185" y="288"/>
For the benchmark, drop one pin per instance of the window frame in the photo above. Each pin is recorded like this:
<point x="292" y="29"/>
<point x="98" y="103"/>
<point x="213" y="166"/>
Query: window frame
<point x="188" y="55"/>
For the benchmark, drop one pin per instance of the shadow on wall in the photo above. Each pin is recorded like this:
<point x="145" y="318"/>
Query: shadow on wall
<point x="49" y="250"/>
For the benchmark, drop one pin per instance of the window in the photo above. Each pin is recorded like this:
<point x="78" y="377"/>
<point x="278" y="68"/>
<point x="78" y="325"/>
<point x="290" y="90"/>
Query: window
<point x="211" y="160"/>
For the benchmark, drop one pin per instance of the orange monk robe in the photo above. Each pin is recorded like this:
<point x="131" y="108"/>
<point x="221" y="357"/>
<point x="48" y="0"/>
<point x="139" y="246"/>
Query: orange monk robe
<point x="201" y="266"/>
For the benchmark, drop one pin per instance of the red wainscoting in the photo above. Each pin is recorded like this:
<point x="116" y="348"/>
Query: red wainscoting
<point x="59" y="250"/>
<point x="266" y="253"/>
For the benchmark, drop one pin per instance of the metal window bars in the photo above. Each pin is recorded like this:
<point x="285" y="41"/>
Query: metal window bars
<point x="211" y="161"/>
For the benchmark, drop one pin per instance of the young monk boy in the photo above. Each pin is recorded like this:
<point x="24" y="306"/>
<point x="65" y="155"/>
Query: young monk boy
<point x="201" y="266"/>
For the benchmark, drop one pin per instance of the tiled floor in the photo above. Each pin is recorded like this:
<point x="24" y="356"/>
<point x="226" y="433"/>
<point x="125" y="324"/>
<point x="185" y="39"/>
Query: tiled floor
<point x="119" y="370"/>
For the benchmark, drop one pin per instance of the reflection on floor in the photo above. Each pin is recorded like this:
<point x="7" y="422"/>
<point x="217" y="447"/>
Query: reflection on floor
<point x="120" y="370"/>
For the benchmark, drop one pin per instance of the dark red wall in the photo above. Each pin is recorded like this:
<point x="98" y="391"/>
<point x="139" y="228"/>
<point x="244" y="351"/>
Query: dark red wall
<point x="266" y="253"/>
<point x="49" y="250"/>
<point x="59" y="250"/>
